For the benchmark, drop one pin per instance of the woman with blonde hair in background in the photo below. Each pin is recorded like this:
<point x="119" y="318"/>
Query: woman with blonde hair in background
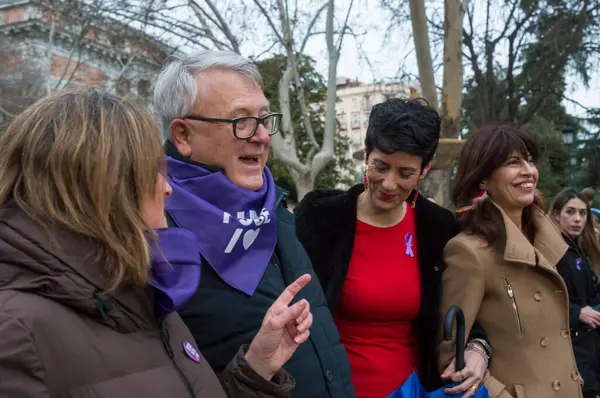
<point x="90" y="277"/>
<point x="571" y="213"/>
<point x="501" y="269"/>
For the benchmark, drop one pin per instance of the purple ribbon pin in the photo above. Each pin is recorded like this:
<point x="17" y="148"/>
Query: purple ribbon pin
<point x="408" y="242"/>
<point x="191" y="351"/>
<point x="578" y="264"/>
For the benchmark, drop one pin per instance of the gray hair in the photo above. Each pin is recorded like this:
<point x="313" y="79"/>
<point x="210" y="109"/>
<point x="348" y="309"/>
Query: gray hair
<point x="175" y="90"/>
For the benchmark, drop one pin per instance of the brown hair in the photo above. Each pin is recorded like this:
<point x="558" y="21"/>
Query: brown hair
<point x="587" y="195"/>
<point x="84" y="160"/>
<point x="588" y="241"/>
<point x="485" y="151"/>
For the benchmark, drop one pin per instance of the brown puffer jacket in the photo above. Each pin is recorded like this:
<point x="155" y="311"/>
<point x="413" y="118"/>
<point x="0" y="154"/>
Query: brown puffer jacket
<point x="61" y="337"/>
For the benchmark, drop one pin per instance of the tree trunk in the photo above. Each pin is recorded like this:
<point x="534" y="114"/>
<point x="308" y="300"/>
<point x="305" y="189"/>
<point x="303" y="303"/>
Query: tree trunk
<point x="437" y="183"/>
<point x="437" y="186"/>
<point x="304" y="183"/>
<point x="423" y="51"/>
<point x="453" y="69"/>
<point x="326" y="154"/>
<point x="284" y="146"/>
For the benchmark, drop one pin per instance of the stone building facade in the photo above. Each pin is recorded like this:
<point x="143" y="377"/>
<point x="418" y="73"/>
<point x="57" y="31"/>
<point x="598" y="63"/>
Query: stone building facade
<point x="43" y="49"/>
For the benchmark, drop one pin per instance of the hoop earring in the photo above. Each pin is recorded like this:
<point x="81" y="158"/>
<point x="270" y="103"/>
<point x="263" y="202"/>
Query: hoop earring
<point x="365" y="179"/>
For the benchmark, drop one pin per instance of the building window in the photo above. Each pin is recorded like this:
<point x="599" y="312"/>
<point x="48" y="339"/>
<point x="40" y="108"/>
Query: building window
<point x="368" y="104"/>
<point x="342" y="120"/>
<point x="354" y="103"/>
<point x="366" y="118"/>
<point x="355" y="120"/>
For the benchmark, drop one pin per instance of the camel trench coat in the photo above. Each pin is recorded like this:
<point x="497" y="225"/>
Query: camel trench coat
<point x="521" y="301"/>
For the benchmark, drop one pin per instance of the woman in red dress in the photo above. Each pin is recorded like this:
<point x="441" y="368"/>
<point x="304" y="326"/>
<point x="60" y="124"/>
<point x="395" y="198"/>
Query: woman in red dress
<point x="378" y="252"/>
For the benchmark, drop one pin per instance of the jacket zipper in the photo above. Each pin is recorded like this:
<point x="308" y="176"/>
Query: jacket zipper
<point x="513" y="301"/>
<point x="164" y="337"/>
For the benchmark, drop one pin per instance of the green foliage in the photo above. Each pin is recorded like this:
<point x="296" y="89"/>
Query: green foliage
<point x="315" y="90"/>
<point x="552" y="164"/>
<point x="559" y="37"/>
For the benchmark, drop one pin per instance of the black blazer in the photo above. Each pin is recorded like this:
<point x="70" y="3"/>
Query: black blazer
<point x="581" y="283"/>
<point x="581" y="286"/>
<point x="326" y="226"/>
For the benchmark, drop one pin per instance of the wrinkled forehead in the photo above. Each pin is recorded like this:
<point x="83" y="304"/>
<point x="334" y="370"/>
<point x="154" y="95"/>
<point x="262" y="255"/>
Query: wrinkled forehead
<point x="229" y="93"/>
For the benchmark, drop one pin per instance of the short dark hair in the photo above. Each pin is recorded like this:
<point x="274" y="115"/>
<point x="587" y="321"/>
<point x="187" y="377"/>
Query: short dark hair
<point x="404" y="125"/>
<point x="486" y="150"/>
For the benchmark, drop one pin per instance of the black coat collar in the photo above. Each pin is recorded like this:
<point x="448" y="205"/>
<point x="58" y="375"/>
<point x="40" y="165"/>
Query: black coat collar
<point x="334" y="214"/>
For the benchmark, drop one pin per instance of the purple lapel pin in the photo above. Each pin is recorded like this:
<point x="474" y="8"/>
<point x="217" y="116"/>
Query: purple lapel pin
<point x="578" y="264"/>
<point x="408" y="242"/>
<point x="191" y="352"/>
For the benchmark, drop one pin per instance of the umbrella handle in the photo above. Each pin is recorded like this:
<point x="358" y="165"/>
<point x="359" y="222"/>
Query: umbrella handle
<point x="456" y="313"/>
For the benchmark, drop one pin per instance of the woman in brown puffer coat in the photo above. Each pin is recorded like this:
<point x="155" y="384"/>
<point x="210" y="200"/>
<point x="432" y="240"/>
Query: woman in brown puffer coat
<point x="90" y="277"/>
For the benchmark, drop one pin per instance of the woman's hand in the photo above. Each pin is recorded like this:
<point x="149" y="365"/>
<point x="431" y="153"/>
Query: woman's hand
<point x="283" y="330"/>
<point x="590" y="317"/>
<point x="470" y="378"/>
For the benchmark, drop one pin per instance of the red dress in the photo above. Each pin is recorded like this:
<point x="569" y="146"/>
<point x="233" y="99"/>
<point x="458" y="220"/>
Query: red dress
<point x="379" y="303"/>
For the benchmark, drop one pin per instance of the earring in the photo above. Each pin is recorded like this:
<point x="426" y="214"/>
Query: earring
<point x="414" y="199"/>
<point x="365" y="179"/>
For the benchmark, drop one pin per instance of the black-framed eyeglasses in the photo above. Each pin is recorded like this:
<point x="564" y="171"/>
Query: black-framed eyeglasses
<point x="245" y="127"/>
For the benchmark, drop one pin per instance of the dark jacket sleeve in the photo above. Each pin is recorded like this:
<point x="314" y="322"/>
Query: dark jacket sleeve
<point x="574" y="312"/>
<point x="305" y="231"/>
<point x="21" y="369"/>
<point x="574" y="306"/>
<point x="239" y="380"/>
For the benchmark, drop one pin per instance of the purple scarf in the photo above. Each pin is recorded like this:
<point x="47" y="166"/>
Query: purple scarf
<point x="234" y="227"/>
<point x="176" y="267"/>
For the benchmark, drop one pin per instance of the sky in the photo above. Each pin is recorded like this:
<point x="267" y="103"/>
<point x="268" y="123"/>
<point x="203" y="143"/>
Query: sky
<point x="374" y="56"/>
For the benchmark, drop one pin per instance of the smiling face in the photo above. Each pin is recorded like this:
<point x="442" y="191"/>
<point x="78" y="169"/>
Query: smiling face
<point x="512" y="185"/>
<point x="391" y="178"/>
<point x="229" y="95"/>
<point x="572" y="217"/>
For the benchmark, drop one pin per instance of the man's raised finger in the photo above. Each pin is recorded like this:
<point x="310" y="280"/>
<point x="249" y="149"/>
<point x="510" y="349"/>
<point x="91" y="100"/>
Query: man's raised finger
<point x="286" y="297"/>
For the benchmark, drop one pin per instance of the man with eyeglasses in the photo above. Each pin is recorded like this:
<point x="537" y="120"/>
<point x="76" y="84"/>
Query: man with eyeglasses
<point x="218" y="125"/>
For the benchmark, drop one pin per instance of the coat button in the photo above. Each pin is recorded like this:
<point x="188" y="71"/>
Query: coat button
<point x="564" y="334"/>
<point x="544" y="342"/>
<point x="556" y="385"/>
<point x="537" y="296"/>
<point x="329" y="375"/>
<point x="575" y="375"/>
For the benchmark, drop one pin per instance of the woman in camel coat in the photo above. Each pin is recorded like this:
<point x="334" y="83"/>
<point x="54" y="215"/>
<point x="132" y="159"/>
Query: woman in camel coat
<point x="501" y="270"/>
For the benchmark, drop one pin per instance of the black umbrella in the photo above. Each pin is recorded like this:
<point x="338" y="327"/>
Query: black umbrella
<point x="455" y="313"/>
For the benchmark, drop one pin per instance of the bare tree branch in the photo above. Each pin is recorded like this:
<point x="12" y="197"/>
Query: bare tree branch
<point x="224" y="26"/>
<point x="283" y="18"/>
<point x="310" y="27"/>
<point x="7" y="113"/>
<point x="344" y="27"/>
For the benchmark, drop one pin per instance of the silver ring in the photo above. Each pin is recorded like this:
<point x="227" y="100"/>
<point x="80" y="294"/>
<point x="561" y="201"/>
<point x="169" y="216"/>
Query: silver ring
<point x="474" y="387"/>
